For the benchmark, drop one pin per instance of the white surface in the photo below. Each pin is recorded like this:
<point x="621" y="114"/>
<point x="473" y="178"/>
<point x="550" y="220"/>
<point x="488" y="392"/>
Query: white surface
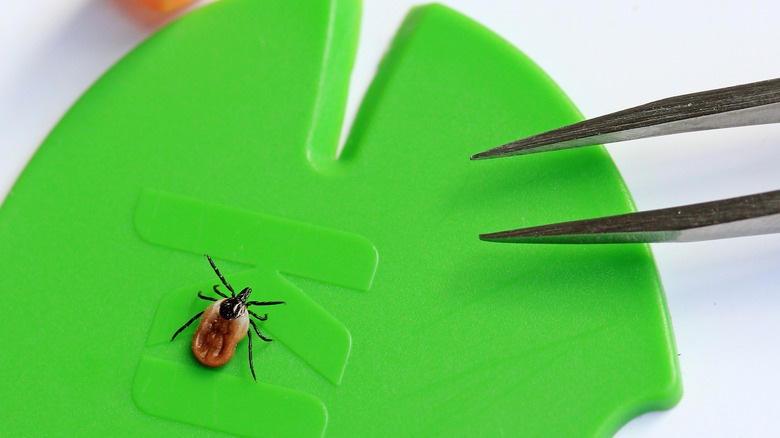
<point x="607" y="55"/>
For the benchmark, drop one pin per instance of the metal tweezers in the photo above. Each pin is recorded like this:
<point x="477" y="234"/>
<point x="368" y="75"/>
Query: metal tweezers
<point x="750" y="104"/>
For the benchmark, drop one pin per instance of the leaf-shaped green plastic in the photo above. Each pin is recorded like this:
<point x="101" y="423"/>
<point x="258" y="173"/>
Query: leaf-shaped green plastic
<point x="230" y="116"/>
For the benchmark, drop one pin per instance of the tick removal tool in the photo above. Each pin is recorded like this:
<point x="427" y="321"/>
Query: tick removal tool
<point x="743" y="105"/>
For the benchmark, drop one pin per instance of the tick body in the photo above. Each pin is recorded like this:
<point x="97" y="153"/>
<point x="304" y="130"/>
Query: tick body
<point x="215" y="339"/>
<point x="224" y="324"/>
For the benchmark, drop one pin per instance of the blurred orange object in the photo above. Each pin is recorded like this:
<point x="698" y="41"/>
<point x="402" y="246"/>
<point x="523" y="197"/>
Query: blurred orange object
<point x="165" y="5"/>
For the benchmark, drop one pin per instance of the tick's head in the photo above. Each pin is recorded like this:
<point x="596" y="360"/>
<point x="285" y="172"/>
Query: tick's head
<point x="244" y="294"/>
<point x="232" y="308"/>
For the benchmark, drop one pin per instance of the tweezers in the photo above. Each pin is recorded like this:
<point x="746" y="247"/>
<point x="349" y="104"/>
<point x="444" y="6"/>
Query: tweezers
<point x="750" y="104"/>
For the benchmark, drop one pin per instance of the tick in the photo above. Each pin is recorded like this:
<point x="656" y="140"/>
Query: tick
<point x="224" y="324"/>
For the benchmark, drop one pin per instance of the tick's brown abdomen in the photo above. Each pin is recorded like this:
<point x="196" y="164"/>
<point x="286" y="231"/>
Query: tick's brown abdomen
<point x="215" y="339"/>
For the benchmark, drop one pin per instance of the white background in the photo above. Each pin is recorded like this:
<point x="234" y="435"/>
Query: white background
<point x="607" y="55"/>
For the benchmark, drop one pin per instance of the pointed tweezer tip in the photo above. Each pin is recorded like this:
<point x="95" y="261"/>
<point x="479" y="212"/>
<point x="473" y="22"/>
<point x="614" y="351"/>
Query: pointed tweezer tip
<point x="517" y="147"/>
<point x="491" y="153"/>
<point x="493" y="237"/>
<point x="524" y="236"/>
<point x="537" y="234"/>
<point x="481" y="156"/>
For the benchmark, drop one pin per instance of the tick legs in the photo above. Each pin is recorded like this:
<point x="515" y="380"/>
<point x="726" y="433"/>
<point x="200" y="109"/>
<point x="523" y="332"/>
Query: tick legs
<point x="258" y="332"/>
<point x="186" y="325"/>
<point x="216" y="291"/>
<point x="203" y="297"/>
<point x="230" y="288"/>
<point x="260" y="318"/>
<point x="251" y="365"/>
<point x="249" y="335"/>
<point x="264" y="303"/>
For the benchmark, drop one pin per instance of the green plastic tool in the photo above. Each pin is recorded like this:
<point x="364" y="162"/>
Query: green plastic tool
<point x="218" y="135"/>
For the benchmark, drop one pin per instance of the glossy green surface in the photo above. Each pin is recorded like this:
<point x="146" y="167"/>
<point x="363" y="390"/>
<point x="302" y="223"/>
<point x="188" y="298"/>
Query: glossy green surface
<point x="218" y="135"/>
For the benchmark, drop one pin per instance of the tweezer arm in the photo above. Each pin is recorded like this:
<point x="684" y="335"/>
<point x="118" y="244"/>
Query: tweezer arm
<point x="750" y="104"/>
<point x="735" y="217"/>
